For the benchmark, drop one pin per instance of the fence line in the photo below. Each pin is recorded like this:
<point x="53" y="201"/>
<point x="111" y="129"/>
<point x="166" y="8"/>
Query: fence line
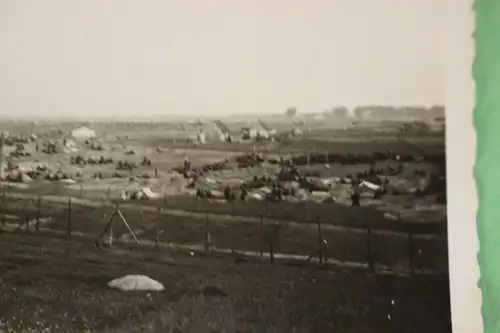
<point x="343" y="216"/>
<point x="268" y="241"/>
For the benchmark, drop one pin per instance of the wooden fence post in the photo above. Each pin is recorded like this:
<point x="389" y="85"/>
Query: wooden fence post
<point x="111" y="222"/>
<point x="3" y="209"/>
<point x="271" y="251"/>
<point x="157" y="236"/>
<point x="325" y="253"/>
<point x="157" y="229"/>
<point x="261" y="235"/>
<point x="164" y="200"/>
<point x="320" y="241"/>
<point x="306" y="210"/>
<point x="27" y="221"/>
<point x="38" y="212"/>
<point x="69" y="216"/>
<point x="207" y="234"/>
<point x="370" y="254"/>
<point x="410" y="252"/>
<point x="141" y="213"/>
<point x="197" y="204"/>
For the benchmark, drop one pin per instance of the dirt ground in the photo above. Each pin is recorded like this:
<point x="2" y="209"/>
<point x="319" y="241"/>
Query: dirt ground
<point x="60" y="286"/>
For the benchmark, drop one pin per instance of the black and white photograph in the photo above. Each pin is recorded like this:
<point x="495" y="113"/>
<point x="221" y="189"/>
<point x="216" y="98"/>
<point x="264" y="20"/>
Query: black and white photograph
<point x="223" y="166"/>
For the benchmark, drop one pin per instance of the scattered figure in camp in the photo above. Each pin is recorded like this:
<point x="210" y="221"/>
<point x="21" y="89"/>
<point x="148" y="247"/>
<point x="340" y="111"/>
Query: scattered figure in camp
<point x="243" y="193"/>
<point x="204" y="193"/>
<point x="187" y="164"/>
<point x="355" y="198"/>
<point x="156" y="172"/>
<point x="125" y="195"/>
<point x="124" y="165"/>
<point x="227" y="192"/>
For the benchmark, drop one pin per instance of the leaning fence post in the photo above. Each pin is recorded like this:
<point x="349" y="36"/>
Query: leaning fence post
<point x="69" y="216"/>
<point x="207" y="233"/>
<point x="370" y="256"/>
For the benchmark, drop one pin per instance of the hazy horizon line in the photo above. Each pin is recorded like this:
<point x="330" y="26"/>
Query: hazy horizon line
<point x="198" y="116"/>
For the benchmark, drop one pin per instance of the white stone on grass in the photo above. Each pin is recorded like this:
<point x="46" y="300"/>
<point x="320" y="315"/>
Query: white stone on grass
<point x="136" y="282"/>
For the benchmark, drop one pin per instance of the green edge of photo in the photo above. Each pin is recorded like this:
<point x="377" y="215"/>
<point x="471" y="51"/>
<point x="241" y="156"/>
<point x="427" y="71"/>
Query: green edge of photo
<point x="486" y="75"/>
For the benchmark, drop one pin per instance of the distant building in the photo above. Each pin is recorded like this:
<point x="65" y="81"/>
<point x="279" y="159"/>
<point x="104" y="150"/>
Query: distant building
<point x="258" y="130"/>
<point x="213" y="131"/>
<point x="83" y="133"/>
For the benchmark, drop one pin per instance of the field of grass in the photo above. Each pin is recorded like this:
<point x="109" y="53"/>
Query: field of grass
<point x="60" y="285"/>
<point x="380" y="129"/>
<point x="327" y="212"/>
<point x="327" y="144"/>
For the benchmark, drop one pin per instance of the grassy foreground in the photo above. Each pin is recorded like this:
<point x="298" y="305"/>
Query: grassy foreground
<point x="57" y="285"/>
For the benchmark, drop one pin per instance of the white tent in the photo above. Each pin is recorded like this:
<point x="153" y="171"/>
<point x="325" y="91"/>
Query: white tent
<point x="83" y="133"/>
<point x="369" y="185"/>
<point x="147" y="193"/>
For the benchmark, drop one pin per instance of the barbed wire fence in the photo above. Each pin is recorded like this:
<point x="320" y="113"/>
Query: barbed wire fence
<point x="68" y="208"/>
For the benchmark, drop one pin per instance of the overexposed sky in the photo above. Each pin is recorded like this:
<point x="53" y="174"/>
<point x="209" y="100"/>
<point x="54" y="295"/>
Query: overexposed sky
<point x="103" y="57"/>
